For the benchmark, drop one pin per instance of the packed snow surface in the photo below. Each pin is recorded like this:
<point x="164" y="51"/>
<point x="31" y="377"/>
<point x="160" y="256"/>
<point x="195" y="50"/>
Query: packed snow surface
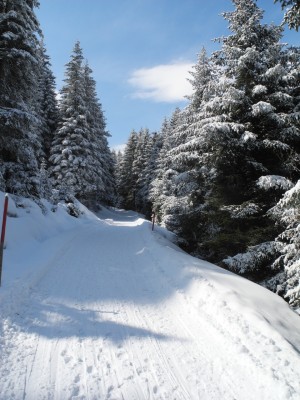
<point x="101" y="307"/>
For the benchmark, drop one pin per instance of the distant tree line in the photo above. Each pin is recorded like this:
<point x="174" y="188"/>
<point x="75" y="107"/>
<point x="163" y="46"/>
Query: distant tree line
<point x="223" y="173"/>
<point x="48" y="148"/>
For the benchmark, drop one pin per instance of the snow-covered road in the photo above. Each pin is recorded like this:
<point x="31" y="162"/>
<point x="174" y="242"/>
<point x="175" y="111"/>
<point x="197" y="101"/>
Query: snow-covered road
<point x="118" y="312"/>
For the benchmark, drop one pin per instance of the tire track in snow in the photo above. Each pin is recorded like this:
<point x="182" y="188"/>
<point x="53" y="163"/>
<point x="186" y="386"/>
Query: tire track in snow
<point x="169" y="364"/>
<point x="110" y="321"/>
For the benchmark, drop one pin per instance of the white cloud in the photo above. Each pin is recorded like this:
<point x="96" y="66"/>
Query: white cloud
<point x="162" y="83"/>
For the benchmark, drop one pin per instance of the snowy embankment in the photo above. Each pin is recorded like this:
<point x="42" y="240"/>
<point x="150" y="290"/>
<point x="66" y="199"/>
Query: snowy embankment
<point x="104" y="308"/>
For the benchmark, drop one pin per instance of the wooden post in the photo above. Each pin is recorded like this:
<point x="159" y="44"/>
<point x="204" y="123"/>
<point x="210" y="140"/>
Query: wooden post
<point x="153" y="220"/>
<point x="3" y="233"/>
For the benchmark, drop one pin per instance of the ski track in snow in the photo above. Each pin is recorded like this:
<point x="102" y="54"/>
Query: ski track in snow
<point x="114" y="317"/>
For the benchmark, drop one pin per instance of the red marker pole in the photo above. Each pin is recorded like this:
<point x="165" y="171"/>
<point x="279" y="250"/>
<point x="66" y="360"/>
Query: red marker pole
<point x="3" y="233"/>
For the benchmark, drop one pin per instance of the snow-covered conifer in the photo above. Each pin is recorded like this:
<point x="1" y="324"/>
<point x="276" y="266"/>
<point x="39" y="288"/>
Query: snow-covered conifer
<point x="20" y="143"/>
<point x="287" y="213"/>
<point x="139" y="168"/>
<point x="45" y="186"/>
<point x="71" y="150"/>
<point x="165" y="192"/>
<point x="263" y="73"/>
<point x="200" y="79"/>
<point x="126" y="183"/>
<point x="101" y="169"/>
<point x="150" y="171"/>
<point x="47" y="100"/>
<point x="82" y="164"/>
<point x="292" y="13"/>
<point x="239" y="130"/>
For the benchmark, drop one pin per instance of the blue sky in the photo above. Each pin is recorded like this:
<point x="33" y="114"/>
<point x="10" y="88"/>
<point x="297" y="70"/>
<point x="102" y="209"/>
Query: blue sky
<point x="139" y="50"/>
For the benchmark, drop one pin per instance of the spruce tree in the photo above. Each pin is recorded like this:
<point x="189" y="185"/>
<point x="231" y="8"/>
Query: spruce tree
<point x="82" y="163"/>
<point x="174" y="178"/>
<point x="71" y="151"/>
<point x="287" y="280"/>
<point x="200" y="79"/>
<point x="239" y="137"/>
<point x="155" y="145"/>
<point x="292" y="14"/>
<point x="47" y="100"/>
<point x="139" y="168"/>
<point x="270" y="135"/>
<point x="101" y="169"/>
<point x="126" y="182"/>
<point x="20" y="121"/>
<point x="156" y="194"/>
<point x="117" y="158"/>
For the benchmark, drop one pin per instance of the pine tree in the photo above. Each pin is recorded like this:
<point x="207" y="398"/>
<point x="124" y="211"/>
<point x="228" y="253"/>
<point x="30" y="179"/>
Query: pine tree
<point x="47" y="100"/>
<point x="45" y="187"/>
<point x="201" y="77"/>
<point x="126" y="182"/>
<point x="117" y="169"/>
<point x="71" y="151"/>
<point x="154" y="186"/>
<point x="155" y="145"/>
<point x="156" y="194"/>
<point x="270" y="136"/>
<point x="135" y="171"/>
<point x="238" y="137"/>
<point x="20" y="122"/>
<point x="175" y="178"/>
<point x="101" y="170"/>
<point x="287" y="281"/>
<point x="82" y="164"/>
<point x="139" y="169"/>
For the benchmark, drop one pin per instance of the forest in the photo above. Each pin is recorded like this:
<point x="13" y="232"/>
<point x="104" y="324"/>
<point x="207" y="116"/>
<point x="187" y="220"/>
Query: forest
<point x="221" y="173"/>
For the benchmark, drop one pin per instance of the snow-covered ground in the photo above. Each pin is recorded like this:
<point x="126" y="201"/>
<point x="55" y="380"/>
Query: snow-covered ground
<point x="101" y="307"/>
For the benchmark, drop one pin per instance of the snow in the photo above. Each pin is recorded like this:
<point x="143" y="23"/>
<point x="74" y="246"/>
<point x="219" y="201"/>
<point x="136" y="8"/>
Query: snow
<point x="287" y="209"/>
<point x="275" y="72"/>
<point x="101" y="307"/>
<point x="262" y="108"/>
<point x="242" y="210"/>
<point x="245" y="262"/>
<point x="259" y="90"/>
<point x="248" y="136"/>
<point x="274" y="182"/>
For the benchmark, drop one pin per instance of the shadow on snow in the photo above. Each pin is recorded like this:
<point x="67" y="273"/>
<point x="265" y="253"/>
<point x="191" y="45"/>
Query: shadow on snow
<point x="106" y="267"/>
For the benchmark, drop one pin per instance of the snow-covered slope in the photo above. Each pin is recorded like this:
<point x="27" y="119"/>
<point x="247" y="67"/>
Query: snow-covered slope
<point x="104" y="308"/>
